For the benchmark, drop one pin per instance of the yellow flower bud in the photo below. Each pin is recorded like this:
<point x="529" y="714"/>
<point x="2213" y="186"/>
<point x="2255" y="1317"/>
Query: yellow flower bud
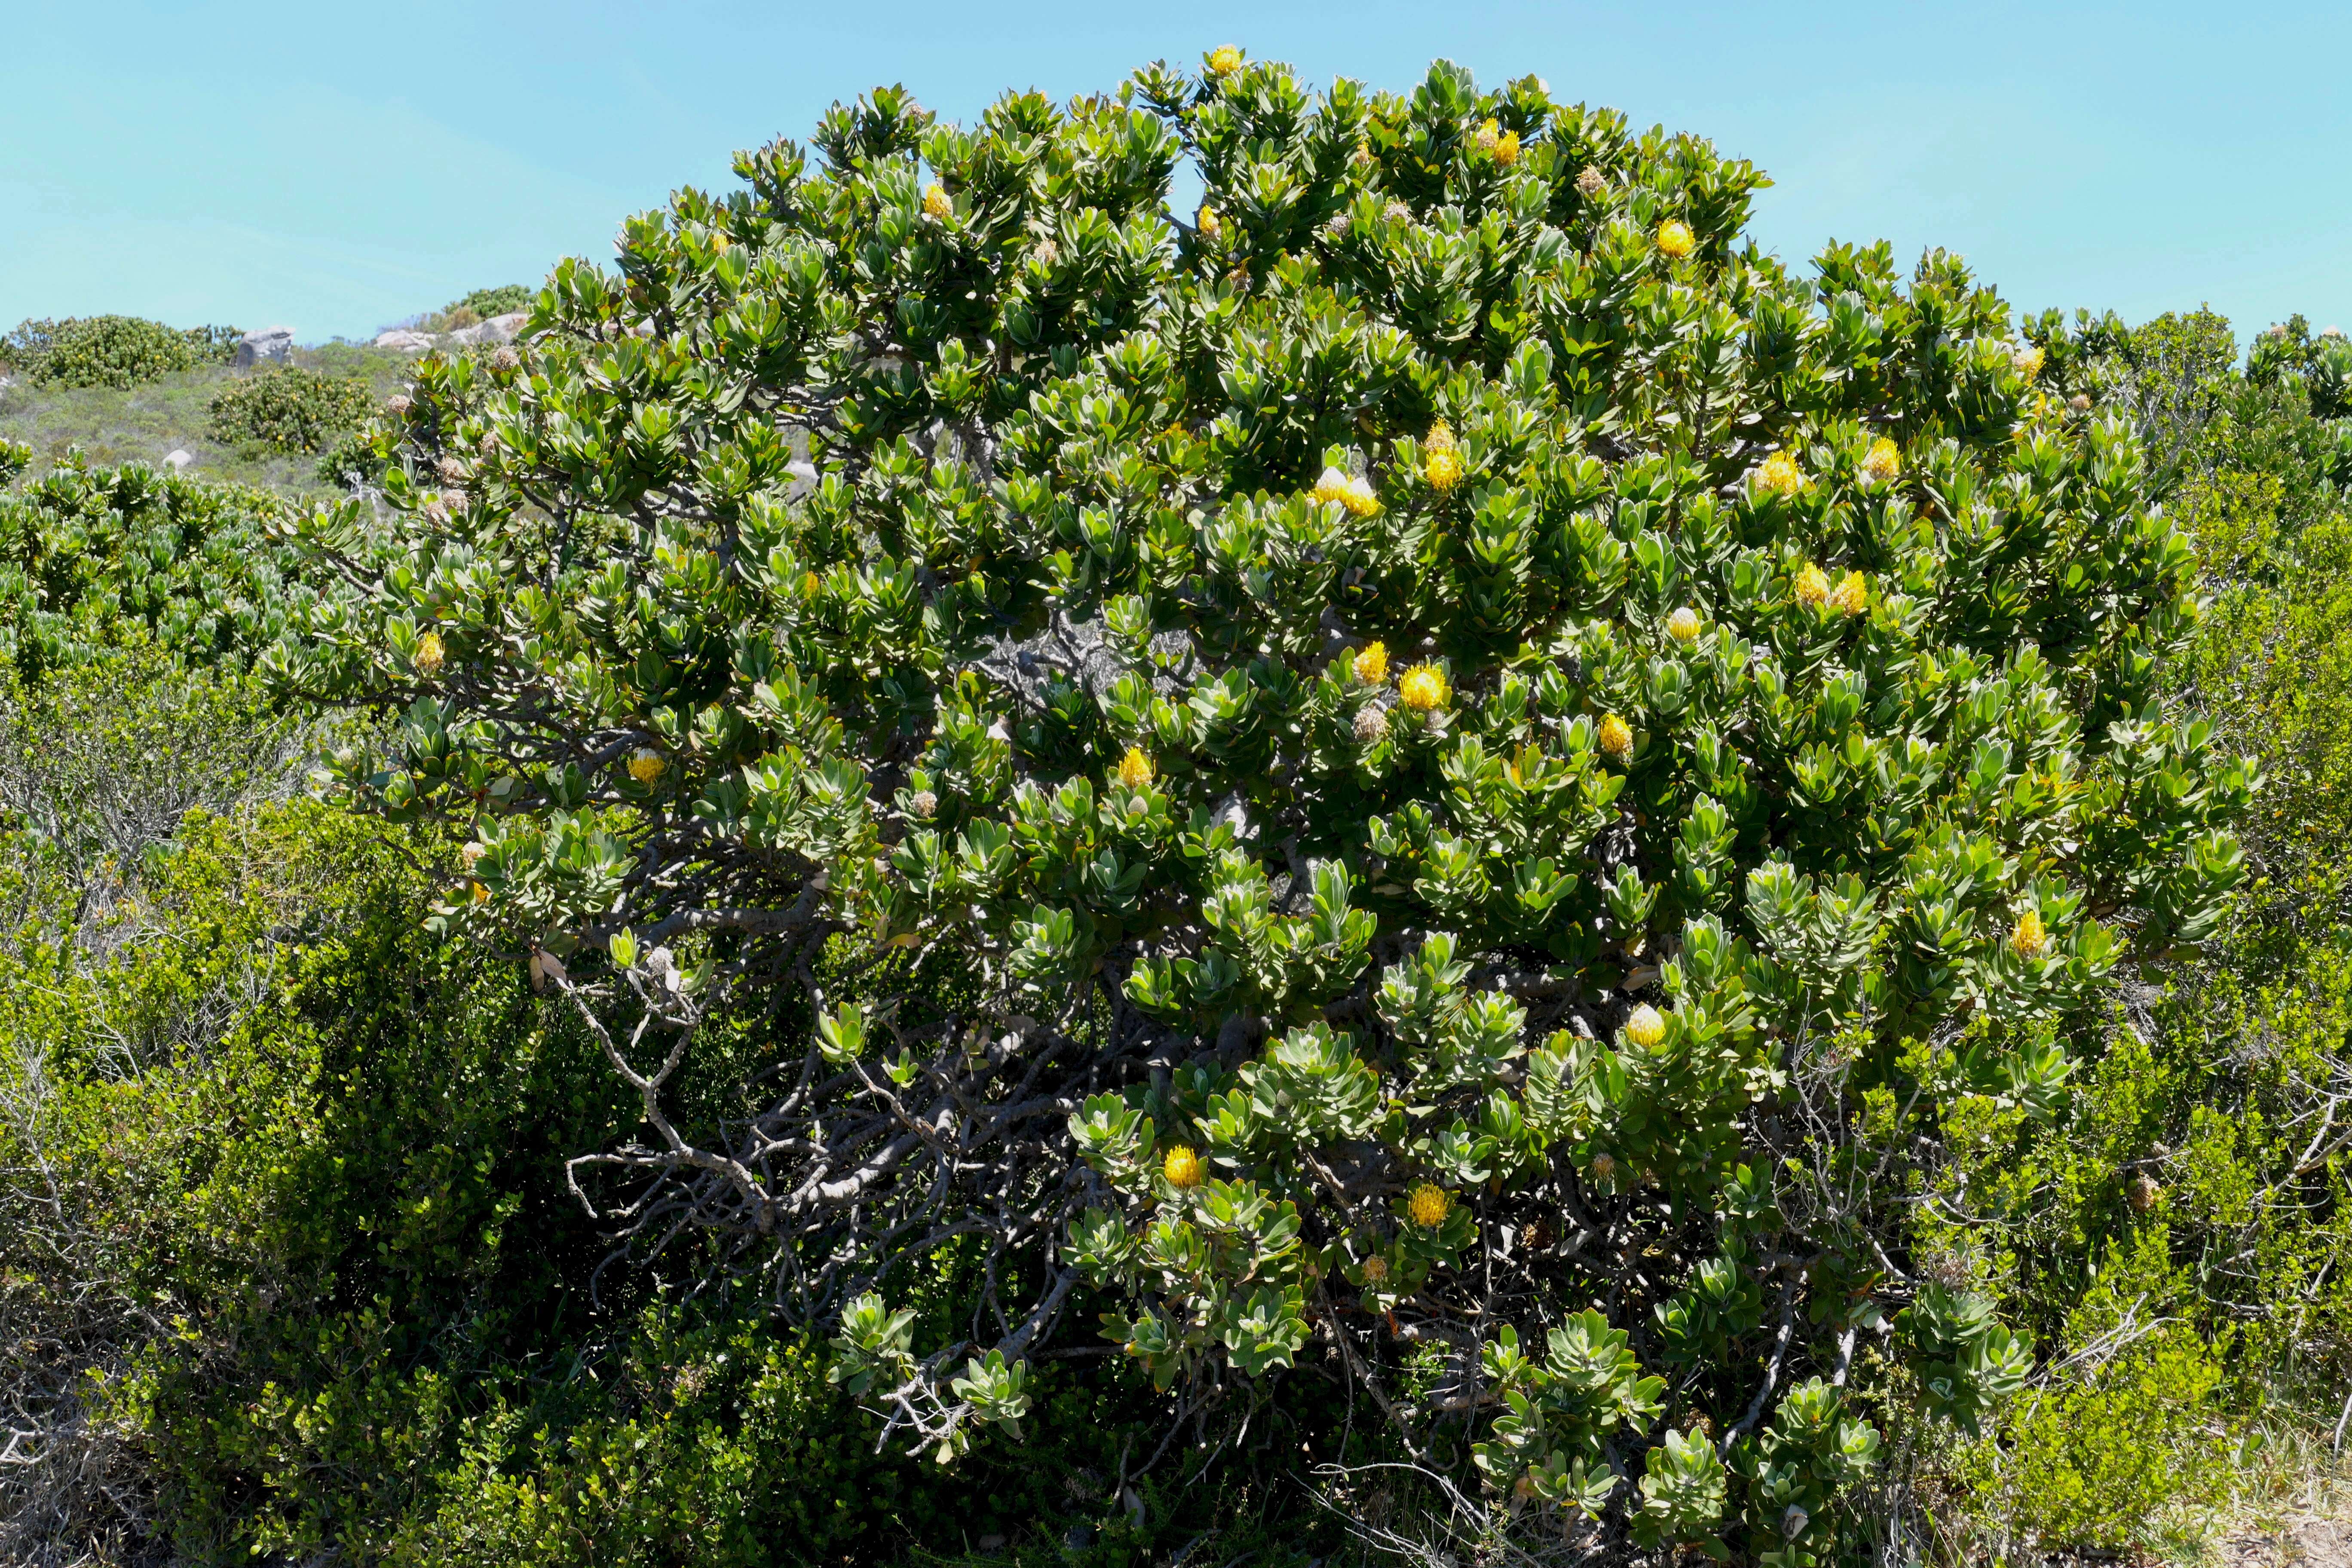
<point x="1135" y="769"/>
<point x="1223" y="60"/>
<point x="1852" y="596"/>
<point x="645" y="765"/>
<point x="1812" y="586"/>
<point x="1675" y="239"/>
<point x="429" y="654"/>
<point x="1616" y="737"/>
<point x="1488" y="136"/>
<point x="1780" y="475"/>
<point x="1429" y="1206"/>
<point x="2030" y="937"/>
<point x="1209" y="224"/>
<point x="1371" y="664"/>
<point x="1423" y="687"/>
<point x="1883" y="464"/>
<point x="1684" y="625"/>
<point x="936" y="203"/>
<point x="1181" y="1167"/>
<point x="1646" y="1028"/>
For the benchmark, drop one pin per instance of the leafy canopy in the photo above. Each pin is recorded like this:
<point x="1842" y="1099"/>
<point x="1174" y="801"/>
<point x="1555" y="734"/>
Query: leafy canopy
<point x="1436" y="743"/>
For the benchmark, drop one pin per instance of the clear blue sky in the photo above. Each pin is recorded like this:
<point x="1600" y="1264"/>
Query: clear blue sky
<point x="334" y="167"/>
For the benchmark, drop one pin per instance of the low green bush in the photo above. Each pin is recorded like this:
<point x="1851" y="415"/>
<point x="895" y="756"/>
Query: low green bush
<point x="289" y="409"/>
<point x="84" y="551"/>
<point x="111" y="351"/>
<point x="504" y="300"/>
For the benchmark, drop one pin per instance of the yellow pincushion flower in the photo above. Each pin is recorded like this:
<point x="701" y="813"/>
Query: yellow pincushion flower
<point x="1488" y="135"/>
<point x="645" y="765"/>
<point x="1135" y="769"/>
<point x="1223" y="60"/>
<point x="1780" y="475"/>
<point x="1675" y="239"/>
<point x="1851" y="595"/>
<point x="1684" y="625"/>
<point x="1646" y="1028"/>
<point x="1616" y="737"/>
<point x="1371" y="664"/>
<point x="1181" y="1167"/>
<point x="429" y="654"/>
<point x="1883" y="464"/>
<point x="1812" y="586"/>
<point x="936" y="203"/>
<point x="811" y="584"/>
<point x="2030" y="937"/>
<point x="2027" y="361"/>
<point x="1507" y="149"/>
<point x="1429" y="1206"/>
<point x="1207" y="221"/>
<point x="1441" y="462"/>
<point x="1352" y="490"/>
<point x="481" y="895"/>
<point x="1423" y="687"/>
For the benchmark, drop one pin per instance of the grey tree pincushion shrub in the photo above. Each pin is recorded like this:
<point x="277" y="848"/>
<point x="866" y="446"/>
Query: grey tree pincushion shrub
<point x="1433" y="773"/>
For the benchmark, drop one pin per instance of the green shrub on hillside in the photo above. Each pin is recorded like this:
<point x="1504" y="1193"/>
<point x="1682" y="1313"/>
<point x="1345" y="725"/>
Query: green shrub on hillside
<point x="111" y="351"/>
<point x="84" y="551"/>
<point x="1483" y="777"/>
<point x="504" y="300"/>
<point x="289" y="409"/>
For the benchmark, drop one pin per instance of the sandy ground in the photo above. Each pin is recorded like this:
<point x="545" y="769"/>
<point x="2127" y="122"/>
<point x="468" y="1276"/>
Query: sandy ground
<point x="2307" y="1543"/>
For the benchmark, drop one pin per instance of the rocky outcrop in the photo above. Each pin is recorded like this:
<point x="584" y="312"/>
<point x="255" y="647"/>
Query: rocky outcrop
<point x="266" y="345"/>
<point x="406" y="341"/>
<point x="497" y="330"/>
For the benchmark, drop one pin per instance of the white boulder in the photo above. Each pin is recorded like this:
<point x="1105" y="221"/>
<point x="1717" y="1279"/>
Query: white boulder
<point x="266" y="345"/>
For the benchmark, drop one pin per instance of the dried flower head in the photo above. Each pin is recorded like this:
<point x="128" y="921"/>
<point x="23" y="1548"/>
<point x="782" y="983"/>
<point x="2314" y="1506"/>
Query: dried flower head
<point x="1605" y="1165"/>
<point x="1181" y="1167"/>
<point x="1675" y="239"/>
<point x="1423" y="687"/>
<point x="1429" y="1206"/>
<point x="924" y="803"/>
<point x="1591" y="182"/>
<point x="1371" y="724"/>
<point x="398" y="404"/>
<point x="2143" y="1193"/>
<point x="2080" y="403"/>
<point x="1376" y="1270"/>
<point x="1616" y="737"/>
<point x="506" y="362"/>
<point x="452" y="469"/>
<point x="1397" y="212"/>
<point x="1646" y="1026"/>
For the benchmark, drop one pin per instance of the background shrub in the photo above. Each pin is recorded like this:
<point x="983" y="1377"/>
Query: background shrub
<point x="88" y="553"/>
<point x="289" y="409"/>
<point x="111" y="351"/>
